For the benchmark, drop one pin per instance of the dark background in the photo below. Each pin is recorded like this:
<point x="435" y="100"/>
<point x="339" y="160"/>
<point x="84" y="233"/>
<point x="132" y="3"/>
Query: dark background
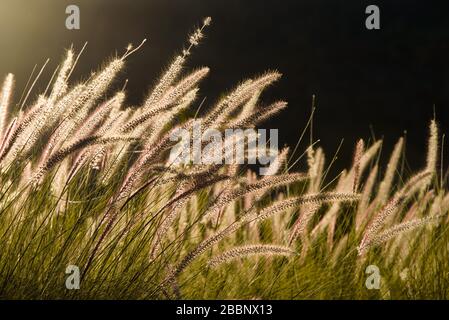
<point x="367" y="82"/>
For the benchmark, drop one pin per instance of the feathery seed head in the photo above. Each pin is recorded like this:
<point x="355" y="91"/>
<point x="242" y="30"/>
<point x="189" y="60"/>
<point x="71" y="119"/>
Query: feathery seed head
<point x="394" y="232"/>
<point x="357" y="157"/>
<point x="196" y="36"/>
<point x="250" y="250"/>
<point x="207" y="21"/>
<point x="432" y="152"/>
<point x="5" y="96"/>
<point x="165" y="82"/>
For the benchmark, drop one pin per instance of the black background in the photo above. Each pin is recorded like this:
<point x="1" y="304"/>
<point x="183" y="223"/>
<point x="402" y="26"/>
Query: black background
<point x="380" y="82"/>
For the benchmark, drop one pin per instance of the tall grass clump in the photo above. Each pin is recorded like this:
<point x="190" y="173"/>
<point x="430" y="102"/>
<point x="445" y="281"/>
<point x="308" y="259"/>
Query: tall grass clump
<point x="87" y="181"/>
